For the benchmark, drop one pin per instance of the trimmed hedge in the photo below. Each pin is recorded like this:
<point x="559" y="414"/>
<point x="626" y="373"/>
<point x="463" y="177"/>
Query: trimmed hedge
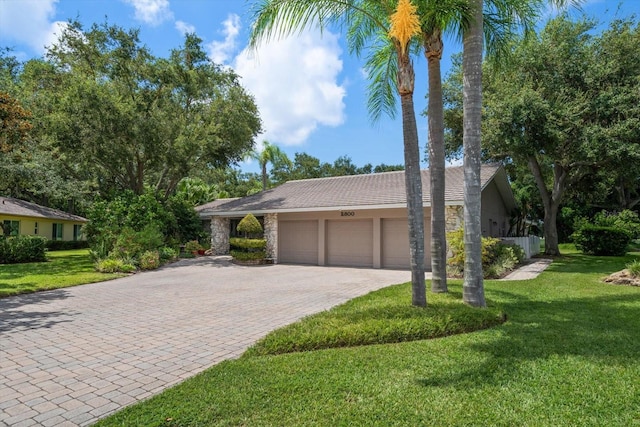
<point x="247" y="249"/>
<point x="241" y="243"/>
<point x="21" y="249"/>
<point x="602" y="241"/>
<point x="66" y="245"/>
<point x="247" y="256"/>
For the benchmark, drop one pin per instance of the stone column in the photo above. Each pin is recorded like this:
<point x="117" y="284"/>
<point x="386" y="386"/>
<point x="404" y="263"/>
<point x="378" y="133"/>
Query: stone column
<point x="271" y="235"/>
<point x="454" y="216"/>
<point x="220" y="230"/>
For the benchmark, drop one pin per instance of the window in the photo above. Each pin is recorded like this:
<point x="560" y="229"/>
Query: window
<point x="57" y="232"/>
<point x="35" y="228"/>
<point x="77" y="232"/>
<point x="11" y="228"/>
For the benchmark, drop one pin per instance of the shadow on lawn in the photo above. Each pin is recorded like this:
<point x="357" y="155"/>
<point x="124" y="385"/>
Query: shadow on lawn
<point x="581" y="263"/>
<point x="22" y="312"/>
<point x="603" y="327"/>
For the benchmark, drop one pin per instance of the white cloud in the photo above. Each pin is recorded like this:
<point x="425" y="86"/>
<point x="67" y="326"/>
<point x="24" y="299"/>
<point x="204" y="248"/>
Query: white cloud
<point x="34" y="28"/>
<point x="295" y="83"/>
<point x="220" y="51"/>
<point x="185" y="28"/>
<point x="152" y="12"/>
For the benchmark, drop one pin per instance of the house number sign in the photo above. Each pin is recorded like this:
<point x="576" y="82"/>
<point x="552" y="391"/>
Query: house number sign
<point x="347" y="213"/>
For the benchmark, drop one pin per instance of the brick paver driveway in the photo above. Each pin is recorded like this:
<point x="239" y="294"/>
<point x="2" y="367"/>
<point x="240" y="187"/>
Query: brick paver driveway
<point x="71" y="356"/>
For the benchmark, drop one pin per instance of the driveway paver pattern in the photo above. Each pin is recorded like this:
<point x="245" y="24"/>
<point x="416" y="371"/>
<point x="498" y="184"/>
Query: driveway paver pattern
<point x="72" y="356"/>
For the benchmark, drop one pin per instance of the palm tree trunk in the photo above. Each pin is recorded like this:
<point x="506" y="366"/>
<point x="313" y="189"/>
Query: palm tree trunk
<point x="473" y="285"/>
<point x="264" y="175"/>
<point x="413" y="180"/>
<point x="433" y="52"/>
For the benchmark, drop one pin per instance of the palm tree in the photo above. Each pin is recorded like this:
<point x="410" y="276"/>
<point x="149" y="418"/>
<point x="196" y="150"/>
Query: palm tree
<point x="473" y="285"/>
<point x="437" y="17"/>
<point x="270" y="153"/>
<point x="390" y="31"/>
<point x="525" y="13"/>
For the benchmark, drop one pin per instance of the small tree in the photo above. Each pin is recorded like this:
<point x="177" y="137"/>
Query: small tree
<point x="249" y="226"/>
<point x="248" y="249"/>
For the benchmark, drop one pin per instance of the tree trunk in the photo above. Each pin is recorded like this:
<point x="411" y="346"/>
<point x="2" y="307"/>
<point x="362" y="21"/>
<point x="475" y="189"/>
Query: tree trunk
<point x="413" y="180"/>
<point x="264" y="175"/>
<point x="473" y="285"/>
<point x="550" y="201"/>
<point x="551" y="230"/>
<point x="433" y="52"/>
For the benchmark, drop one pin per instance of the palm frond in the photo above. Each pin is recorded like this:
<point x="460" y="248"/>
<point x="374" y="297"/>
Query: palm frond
<point x="274" y="19"/>
<point x="382" y="68"/>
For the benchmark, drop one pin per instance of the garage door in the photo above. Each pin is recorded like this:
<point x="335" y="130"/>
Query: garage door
<point x="298" y="242"/>
<point x="350" y="243"/>
<point x="395" y="243"/>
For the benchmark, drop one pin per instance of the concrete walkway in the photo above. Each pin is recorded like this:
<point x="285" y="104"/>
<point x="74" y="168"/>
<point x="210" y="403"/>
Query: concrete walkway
<point x="531" y="270"/>
<point x="71" y="356"/>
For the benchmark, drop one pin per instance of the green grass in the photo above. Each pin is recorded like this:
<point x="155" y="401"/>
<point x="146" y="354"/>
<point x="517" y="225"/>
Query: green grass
<point x="63" y="269"/>
<point x="385" y="316"/>
<point x="568" y="355"/>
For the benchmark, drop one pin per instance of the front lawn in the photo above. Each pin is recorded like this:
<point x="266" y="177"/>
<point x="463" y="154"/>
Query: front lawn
<point x="63" y="269"/>
<point x="568" y="355"/>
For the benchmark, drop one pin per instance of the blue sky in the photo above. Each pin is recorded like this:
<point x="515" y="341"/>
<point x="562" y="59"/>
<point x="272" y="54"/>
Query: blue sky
<point x="311" y="93"/>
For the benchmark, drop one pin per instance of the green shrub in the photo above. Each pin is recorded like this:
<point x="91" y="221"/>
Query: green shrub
<point x="241" y="243"/>
<point x="497" y="257"/>
<point x="112" y="265"/>
<point x="159" y="223"/>
<point x="192" y="246"/>
<point x="626" y="220"/>
<point x="21" y="249"/>
<point x="602" y="241"/>
<point x="132" y="244"/>
<point x="247" y="256"/>
<point x="249" y="226"/>
<point x="149" y="260"/>
<point x="634" y="268"/>
<point x="167" y="254"/>
<point x="66" y="245"/>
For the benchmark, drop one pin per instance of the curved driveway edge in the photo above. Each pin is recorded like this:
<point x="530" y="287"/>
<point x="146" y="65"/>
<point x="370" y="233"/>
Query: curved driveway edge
<point x="72" y="356"/>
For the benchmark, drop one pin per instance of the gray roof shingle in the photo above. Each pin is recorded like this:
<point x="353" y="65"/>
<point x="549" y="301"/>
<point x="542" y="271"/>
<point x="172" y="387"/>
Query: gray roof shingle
<point x="17" y="207"/>
<point x="354" y="191"/>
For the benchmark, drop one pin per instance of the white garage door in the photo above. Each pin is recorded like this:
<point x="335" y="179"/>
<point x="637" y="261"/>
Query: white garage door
<point x="350" y="243"/>
<point x="298" y="242"/>
<point x="395" y="243"/>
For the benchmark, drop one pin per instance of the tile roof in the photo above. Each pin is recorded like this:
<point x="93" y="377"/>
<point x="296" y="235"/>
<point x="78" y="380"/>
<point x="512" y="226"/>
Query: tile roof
<point x="355" y="191"/>
<point x="17" y="207"/>
<point x="214" y="204"/>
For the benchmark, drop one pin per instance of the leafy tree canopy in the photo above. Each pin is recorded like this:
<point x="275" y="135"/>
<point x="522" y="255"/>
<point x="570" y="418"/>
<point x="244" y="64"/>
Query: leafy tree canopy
<point x="125" y="119"/>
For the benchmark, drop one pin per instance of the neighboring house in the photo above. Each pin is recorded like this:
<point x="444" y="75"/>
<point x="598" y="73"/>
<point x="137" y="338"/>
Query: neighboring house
<point x="358" y="220"/>
<point x="29" y="219"/>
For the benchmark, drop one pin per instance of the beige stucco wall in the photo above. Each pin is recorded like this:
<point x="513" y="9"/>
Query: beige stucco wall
<point x="495" y="218"/>
<point x="45" y="226"/>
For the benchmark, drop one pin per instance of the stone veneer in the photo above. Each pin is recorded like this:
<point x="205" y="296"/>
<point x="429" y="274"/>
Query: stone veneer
<point x="271" y="235"/>
<point x="220" y="230"/>
<point x="454" y="216"/>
